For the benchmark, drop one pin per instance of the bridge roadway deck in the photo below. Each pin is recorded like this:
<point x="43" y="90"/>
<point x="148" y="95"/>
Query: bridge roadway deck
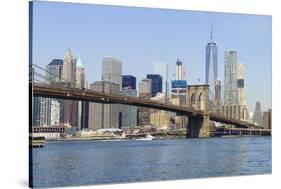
<point x="46" y="90"/>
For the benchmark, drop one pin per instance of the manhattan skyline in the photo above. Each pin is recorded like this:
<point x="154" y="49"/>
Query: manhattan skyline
<point x="138" y="37"/>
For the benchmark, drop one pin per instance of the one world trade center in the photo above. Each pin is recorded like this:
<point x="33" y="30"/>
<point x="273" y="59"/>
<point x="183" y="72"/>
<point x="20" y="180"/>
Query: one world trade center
<point x="211" y="74"/>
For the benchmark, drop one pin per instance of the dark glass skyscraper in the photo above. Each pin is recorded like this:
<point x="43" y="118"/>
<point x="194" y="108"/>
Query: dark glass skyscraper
<point x="156" y="83"/>
<point x="128" y="81"/>
<point x="54" y="70"/>
<point x="211" y="74"/>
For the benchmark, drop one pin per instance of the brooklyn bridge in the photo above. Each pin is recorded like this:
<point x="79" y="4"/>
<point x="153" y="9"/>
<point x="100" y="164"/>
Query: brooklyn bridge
<point x="197" y="109"/>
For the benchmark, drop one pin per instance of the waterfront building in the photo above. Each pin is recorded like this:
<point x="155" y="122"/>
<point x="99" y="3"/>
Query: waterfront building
<point x="36" y="105"/>
<point x="53" y="132"/>
<point x="258" y="118"/>
<point x="160" y="118"/>
<point x="55" y="112"/>
<point x="128" y="113"/>
<point x="54" y="70"/>
<point x="112" y="70"/>
<point x="104" y="115"/>
<point x="128" y="81"/>
<point x="267" y="119"/>
<point x="156" y="83"/>
<point x="211" y="74"/>
<point x="144" y="93"/>
<point x="46" y="111"/>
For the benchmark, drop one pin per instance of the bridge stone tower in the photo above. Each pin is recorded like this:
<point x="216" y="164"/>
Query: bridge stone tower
<point x="198" y="98"/>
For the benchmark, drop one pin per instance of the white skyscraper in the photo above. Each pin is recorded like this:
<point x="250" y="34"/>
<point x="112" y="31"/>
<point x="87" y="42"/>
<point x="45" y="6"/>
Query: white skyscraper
<point x="180" y="71"/>
<point x="55" y="112"/>
<point x="80" y="73"/>
<point x="80" y="82"/>
<point x="112" y="70"/>
<point x="67" y="71"/>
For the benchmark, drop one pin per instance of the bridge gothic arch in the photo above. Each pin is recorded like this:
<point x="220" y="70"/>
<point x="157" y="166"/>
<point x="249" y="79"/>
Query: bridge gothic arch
<point x="201" y="101"/>
<point x="193" y="100"/>
<point x="198" y="97"/>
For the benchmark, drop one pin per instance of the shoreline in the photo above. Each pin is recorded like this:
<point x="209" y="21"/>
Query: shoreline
<point x="135" y="139"/>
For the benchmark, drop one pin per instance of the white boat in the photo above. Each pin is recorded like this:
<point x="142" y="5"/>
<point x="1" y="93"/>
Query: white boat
<point x="148" y="137"/>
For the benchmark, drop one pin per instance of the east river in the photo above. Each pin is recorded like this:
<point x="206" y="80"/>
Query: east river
<point x="75" y="163"/>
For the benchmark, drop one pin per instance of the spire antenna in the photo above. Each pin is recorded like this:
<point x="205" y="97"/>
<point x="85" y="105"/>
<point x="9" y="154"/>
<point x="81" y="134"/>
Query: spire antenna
<point x="211" y="32"/>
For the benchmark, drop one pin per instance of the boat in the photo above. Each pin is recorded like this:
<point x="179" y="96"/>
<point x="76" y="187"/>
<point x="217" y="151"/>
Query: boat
<point x="148" y="137"/>
<point x="36" y="142"/>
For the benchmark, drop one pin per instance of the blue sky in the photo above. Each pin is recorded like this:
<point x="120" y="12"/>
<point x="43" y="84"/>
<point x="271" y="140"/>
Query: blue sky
<point x="141" y="36"/>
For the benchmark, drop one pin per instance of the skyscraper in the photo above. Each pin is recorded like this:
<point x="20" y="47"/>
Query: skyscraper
<point x="230" y="78"/>
<point x="211" y="74"/>
<point x="144" y="93"/>
<point x="80" y="73"/>
<point x="55" y="112"/>
<point x="104" y="115"/>
<point x="112" y="70"/>
<point x="67" y="71"/>
<point x="36" y="106"/>
<point x="179" y="85"/>
<point x="156" y="83"/>
<point x="267" y="119"/>
<point x="160" y="118"/>
<point x="69" y="78"/>
<point x="80" y="82"/>
<point x="218" y="91"/>
<point x="240" y="68"/>
<point x="258" y="118"/>
<point x="241" y="84"/>
<point x="54" y="75"/>
<point x="180" y="75"/>
<point x="178" y="95"/>
<point x="128" y="113"/>
<point x="128" y="81"/>
<point x="54" y="70"/>
<point x="161" y="68"/>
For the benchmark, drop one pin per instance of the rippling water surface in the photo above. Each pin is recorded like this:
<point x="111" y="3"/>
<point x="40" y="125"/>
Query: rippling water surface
<point x="100" y="162"/>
